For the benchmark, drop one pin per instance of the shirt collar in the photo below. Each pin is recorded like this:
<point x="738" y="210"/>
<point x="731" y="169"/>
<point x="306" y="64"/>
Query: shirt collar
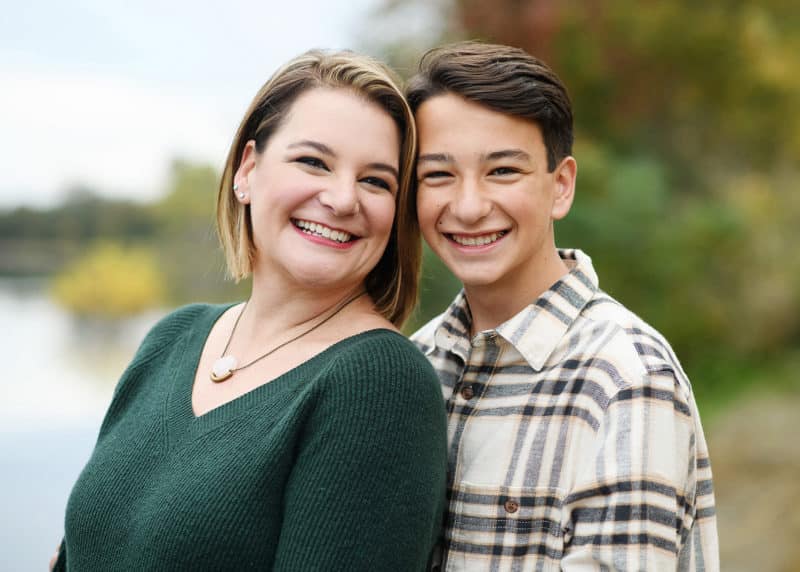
<point x="452" y="333"/>
<point x="537" y="329"/>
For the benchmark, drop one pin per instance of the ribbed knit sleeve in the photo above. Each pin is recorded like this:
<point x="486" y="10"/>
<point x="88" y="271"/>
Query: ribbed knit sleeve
<point x="160" y="338"/>
<point x="367" y="489"/>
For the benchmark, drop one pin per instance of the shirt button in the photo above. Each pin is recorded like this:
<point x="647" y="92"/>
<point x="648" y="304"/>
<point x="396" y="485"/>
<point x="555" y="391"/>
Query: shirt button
<point x="467" y="392"/>
<point x="511" y="506"/>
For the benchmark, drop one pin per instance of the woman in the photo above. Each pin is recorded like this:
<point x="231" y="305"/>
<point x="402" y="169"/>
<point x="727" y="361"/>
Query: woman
<point x="300" y="430"/>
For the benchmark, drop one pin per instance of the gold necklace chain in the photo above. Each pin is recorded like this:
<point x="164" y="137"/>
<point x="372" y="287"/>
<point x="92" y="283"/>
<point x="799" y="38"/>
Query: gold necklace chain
<point x="225" y="366"/>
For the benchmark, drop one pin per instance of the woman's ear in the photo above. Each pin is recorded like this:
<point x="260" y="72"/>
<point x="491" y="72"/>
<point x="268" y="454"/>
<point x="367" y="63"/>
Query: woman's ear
<point x="241" y="178"/>
<point x="564" y="179"/>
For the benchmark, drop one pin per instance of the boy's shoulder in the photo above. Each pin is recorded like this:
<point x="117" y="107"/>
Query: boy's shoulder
<point x="423" y="338"/>
<point x="630" y="341"/>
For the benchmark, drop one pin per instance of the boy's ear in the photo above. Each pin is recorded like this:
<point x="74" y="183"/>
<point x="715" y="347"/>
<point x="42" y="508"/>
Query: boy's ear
<point x="564" y="179"/>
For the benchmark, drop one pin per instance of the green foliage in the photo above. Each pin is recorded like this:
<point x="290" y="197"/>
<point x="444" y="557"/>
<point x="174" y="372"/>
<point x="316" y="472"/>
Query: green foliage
<point x="437" y="288"/>
<point x="39" y="242"/>
<point x="83" y="216"/>
<point x="688" y="150"/>
<point x="189" y="253"/>
<point x="174" y="257"/>
<point x="189" y="202"/>
<point x="688" y="147"/>
<point x="110" y="280"/>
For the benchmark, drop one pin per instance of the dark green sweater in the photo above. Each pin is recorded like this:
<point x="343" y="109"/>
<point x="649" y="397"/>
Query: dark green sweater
<point x="339" y="464"/>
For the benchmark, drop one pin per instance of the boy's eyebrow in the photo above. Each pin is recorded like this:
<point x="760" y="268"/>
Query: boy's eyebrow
<point x="493" y="156"/>
<point x="436" y="158"/>
<point x="507" y="154"/>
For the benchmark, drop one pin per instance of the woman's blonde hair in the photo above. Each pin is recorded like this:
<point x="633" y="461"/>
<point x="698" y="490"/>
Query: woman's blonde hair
<point x="392" y="284"/>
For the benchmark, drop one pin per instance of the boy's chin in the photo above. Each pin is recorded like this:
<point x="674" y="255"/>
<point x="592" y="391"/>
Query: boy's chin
<point x="477" y="279"/>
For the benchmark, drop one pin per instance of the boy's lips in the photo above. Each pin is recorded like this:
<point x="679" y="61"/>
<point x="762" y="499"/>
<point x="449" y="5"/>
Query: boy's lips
<point x="476" y="239"/>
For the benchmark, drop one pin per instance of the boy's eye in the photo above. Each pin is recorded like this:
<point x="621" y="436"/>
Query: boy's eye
<point x="435" y="175"/>
<point x="377" y="182"/>
<point x="312" y="162"/>
<point x="504" y="171"/>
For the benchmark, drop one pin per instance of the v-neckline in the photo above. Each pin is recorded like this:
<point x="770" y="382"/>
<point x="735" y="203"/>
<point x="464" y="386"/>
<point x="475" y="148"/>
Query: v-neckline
<point x="181" y="421"/>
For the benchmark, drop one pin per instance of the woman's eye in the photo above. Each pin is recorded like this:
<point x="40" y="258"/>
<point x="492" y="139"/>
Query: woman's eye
<point x="312" y="162"/>
<point x="377" y="182"/>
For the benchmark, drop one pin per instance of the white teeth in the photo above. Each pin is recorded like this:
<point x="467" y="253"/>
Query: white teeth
<point x="321" y="230"/>
<point x="477" y="240"/>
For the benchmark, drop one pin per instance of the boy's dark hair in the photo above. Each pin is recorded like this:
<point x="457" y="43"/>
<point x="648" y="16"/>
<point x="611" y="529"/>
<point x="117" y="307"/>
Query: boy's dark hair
<point x="504" y="79"/>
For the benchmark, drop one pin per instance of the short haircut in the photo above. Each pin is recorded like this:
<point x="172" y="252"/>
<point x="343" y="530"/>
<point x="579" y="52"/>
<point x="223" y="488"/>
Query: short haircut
<point x="392" y="284"/>
<point x="504" y="79"/>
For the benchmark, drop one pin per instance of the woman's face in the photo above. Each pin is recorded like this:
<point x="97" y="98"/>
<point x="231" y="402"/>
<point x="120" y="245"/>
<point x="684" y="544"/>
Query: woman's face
<point x="322" y="193"/>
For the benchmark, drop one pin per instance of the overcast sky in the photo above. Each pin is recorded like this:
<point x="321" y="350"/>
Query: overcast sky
<point x="104" y="93"/>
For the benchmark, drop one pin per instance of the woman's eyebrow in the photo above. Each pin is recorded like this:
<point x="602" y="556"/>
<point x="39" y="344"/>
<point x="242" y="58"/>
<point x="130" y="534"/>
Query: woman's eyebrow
<point x="384" y="167"/>
<point x="325" y="150"/>
<point x="321" y="147"/>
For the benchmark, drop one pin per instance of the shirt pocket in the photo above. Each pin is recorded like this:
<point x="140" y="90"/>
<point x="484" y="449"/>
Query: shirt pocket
<point x="496" y="524"/>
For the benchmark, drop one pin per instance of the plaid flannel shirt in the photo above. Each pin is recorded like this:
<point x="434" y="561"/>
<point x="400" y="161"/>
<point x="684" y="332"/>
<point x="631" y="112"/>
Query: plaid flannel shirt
<point x="575" y="441"/>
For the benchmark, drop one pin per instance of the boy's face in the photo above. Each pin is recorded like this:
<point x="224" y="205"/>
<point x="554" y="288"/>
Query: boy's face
<point x="486" y="201"/>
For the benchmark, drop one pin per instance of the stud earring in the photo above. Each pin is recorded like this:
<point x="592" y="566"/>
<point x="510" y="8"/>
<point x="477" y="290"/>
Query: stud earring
<point x="241" y="195"/>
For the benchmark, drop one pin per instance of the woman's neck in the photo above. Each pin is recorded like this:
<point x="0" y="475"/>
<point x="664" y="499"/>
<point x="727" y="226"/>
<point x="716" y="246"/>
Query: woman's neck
<point x="275" y="310"/>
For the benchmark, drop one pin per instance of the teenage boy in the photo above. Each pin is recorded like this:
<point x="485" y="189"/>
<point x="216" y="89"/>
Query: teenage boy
<point x="575" y="441"/>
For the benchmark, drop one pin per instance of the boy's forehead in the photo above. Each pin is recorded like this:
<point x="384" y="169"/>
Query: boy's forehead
<point x="451" y="127"/>
<point x="450" y="103"/>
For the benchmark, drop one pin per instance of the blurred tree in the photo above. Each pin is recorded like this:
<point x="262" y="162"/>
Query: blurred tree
<point x="188" y="250"/>
<point x="110" y="280"/>
<point x="189" y="199"/>
<point x="83" y="215"/>
<point x="177" y="232"/>
<point x="688" y="146"/>
<point x="36" y="242"/>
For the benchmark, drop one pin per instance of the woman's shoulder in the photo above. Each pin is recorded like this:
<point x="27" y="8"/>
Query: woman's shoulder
<point x="183" y="321"/>
<point x="383" y="348"/>
<point x="378" y="380"/>
<point x="184" y="318"/>
<point x="382" y="360"/>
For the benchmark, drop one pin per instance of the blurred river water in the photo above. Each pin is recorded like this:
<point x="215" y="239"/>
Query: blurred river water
<point x="59" y="373"/>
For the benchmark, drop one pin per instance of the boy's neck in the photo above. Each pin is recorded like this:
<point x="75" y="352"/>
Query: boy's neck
<point x="495" y="303"/>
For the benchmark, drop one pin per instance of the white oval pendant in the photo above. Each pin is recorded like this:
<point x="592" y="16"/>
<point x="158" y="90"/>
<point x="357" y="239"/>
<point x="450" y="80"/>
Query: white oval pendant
<point x="223" y="368"/>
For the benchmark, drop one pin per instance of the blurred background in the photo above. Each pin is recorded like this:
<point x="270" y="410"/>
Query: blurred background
<point x="115" y="119"/>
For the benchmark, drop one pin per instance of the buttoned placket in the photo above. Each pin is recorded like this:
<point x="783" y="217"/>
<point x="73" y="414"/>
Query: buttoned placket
<point x="475" y="377"/>
<point x="481" y="344"/>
